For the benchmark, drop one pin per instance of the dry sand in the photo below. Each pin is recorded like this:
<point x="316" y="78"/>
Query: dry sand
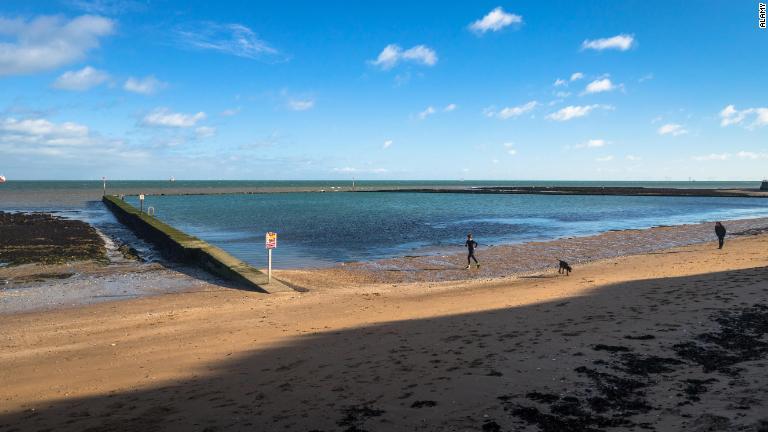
<point x="671" y="340"/>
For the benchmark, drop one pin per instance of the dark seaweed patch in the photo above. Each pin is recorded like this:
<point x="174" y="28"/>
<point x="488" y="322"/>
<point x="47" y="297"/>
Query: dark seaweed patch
<point x="424" y="403"/>
<point x="643" y="365"/>
<point x="695" y="387"/>
<point x="641" y="337"/>
<point x="611" y="348"/>
<point x="42" y="238"/>
<point x="739" y="339"/>
<point x="356" y="415"/>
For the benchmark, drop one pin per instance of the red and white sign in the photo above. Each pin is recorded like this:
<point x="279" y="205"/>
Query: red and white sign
<point x="2" y="179"/>
<point x="270" y="240"/>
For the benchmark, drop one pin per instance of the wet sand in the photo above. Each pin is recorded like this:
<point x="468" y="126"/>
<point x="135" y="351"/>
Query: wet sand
<point x="512" y="261"/>
<point x="673" y="340"/>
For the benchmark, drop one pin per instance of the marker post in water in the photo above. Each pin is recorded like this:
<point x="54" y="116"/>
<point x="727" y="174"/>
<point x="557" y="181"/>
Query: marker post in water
<point x="270" y="242"/>
<point x="104" y="181"/>
<point x="141" y="203"/>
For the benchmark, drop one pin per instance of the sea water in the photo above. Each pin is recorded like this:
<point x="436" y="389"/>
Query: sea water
<point x="320" y="229"/>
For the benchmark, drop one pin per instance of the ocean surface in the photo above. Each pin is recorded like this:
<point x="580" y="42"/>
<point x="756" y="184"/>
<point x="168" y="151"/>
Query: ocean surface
<point x="316" y="229"/>
<point x="76" y="194"/>
<point x="321" y="229"/>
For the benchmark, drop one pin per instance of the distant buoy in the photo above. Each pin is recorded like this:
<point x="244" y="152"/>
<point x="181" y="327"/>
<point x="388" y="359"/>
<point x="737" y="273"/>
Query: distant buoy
<point x="2" y="179"/>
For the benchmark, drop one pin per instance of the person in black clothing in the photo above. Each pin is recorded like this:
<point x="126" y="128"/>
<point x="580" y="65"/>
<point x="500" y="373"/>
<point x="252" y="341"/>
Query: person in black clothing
<point x="471" y="245"/>
<point x="720" y="232"/>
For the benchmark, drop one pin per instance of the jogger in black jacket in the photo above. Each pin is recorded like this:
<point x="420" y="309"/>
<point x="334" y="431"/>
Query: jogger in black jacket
<point x="471" y="245"/>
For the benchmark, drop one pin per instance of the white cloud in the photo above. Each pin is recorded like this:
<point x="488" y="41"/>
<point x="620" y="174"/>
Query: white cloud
<point x="427" y="112"/>
<point x="563" y="94"/>
<point x="81" y="80"/>
<point x="713" y="157"/>
<point x="752" y="155"/>
<point x="559" y="82"/>
<point x="575" y="111"/>
<point x="672" y="129"/>
<point x="604" y="159"/>
<point x="147" y="85"/>
<point x="510" y="148"/>
<point x="229" y="112"/>
<point x="450" y="107"/>
<point x="509" y="112"/>
<point x="731" y="116"/>
<point x="495" y="20"/>
<point x="633" y="158"/>
<point x="109" y="7"/>
<point x="233" y="39"/>
<point x="53" y="141"/>
<point x="599" y="86"/>
<point x="387" y="144"/>
<point x="49" y="42"/>
<point x="392" y="54"/>
<point x="620" y="42"/>
<point x="576" y="76"/>
<point x="421" y="54"/>
<point x="163" y="117"/>
<point x="205" y="132"/>
<point x="301" y="104"/>
<point x="593" y="143"/>
<point x="44" y="132"/>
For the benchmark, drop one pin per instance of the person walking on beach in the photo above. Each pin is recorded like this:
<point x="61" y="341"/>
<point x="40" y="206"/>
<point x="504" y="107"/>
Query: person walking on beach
<point x="471" y="245"/>
<point x="720" y="232"/>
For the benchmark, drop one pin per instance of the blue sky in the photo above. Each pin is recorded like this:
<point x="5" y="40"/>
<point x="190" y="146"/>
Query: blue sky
<point x="383" y="90"/>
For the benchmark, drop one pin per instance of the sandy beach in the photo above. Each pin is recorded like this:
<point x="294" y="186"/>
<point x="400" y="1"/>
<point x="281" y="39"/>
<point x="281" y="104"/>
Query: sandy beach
<point x="669" y="340"/>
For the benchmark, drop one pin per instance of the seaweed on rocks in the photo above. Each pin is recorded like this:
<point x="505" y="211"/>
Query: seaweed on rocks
<point x="41" y="238"/>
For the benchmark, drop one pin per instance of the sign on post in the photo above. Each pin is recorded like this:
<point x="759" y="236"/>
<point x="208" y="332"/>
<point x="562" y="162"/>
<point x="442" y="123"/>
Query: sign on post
<point x="141" y="203"/>
<point x="270" y="242"/>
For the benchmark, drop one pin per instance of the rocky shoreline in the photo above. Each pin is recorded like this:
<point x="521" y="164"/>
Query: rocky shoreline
<point x="42" y="238"/>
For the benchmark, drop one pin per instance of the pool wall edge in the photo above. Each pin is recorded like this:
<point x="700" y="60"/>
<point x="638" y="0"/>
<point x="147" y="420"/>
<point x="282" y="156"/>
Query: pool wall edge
<point x="178" y="246"/>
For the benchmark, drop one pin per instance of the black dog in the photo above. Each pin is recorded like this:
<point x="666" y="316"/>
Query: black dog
<point x="564" y="267"/>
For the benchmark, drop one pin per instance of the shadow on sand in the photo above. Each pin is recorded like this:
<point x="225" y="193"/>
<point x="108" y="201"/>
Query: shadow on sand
<point x="645" y="354"/>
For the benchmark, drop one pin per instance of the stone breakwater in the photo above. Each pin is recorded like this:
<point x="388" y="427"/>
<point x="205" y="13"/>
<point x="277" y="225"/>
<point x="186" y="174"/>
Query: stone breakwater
<point x="181" y="247"/>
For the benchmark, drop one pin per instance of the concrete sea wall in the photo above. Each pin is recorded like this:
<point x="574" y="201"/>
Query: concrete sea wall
<point x="178" y="246"/>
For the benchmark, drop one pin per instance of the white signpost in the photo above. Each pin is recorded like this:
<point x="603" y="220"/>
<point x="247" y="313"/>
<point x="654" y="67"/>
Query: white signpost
<point x="270" y="242"/>
<point x="141" y="203"/>
<point x="104" y="181"/>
